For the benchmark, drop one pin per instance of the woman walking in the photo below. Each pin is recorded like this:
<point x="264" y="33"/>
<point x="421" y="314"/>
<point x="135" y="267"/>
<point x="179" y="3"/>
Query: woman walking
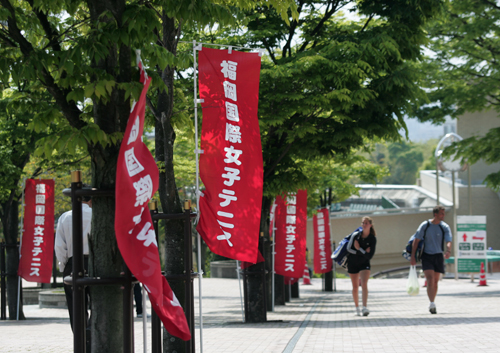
<point x="358" y="264"/>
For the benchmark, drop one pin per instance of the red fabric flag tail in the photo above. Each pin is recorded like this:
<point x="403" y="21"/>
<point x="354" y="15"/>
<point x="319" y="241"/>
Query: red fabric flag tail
<point x="245" y="264"/>
<point x="136" y="182"/>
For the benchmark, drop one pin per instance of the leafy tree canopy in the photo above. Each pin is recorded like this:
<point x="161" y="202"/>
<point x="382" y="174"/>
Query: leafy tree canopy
<point x="328" y="83"/>
<point x="463" y="73"/>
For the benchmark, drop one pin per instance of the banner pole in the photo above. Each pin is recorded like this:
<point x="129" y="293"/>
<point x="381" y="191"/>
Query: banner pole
<point x="238" y="268"/>
<point x="20" y="246"/>
<point x="197" y="152"/>
<point x="272" y="259"/>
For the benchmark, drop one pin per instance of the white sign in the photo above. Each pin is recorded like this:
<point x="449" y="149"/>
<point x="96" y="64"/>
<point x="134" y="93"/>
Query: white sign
<point x="471" y="239"/>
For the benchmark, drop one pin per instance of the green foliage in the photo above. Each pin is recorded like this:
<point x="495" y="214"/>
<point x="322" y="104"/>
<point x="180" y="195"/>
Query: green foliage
<point x="463" y="73"/>
<point x="404" y="160"/>
<point x="329" y="84"/>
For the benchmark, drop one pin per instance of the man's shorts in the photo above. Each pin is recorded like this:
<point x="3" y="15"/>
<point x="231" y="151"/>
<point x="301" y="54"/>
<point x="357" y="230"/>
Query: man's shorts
<point x="355" y="267"/>
<point x="433" y="262"/>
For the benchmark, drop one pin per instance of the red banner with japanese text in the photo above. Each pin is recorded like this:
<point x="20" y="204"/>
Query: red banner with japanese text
<point x="322" y="245"/>
<point x="231" y="165"/>
<point x="37" y="249"/>
<point x="136" y="182"/>
<point x="290" y="234"/>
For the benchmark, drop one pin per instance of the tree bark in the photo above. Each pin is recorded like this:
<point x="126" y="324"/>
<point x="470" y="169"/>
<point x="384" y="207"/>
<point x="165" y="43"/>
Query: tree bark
<point x="10" y="223"/>
<point x="167" y="190"/>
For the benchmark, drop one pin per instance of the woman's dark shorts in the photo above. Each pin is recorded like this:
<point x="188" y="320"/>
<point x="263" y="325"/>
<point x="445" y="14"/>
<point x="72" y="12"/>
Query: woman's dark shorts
<point x="356" y="267"/>
<point x="433" y="262"/>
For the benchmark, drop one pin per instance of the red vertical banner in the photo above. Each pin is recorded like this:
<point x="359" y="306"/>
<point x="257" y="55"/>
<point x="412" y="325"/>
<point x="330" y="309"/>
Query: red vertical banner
<point x="290" y="235"/>
<point x="322" y="245"/>
<point x="136" y="182"/>
<point x="37" y="250"/>
<point x="231" y="165"/>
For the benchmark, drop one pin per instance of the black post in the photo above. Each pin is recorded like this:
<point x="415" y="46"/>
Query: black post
<point x="3" y="282"/>
<point x="155" y="320"/>
<point x="188" y="271"/>
<point x="287" y="293"/>
<point x="79" y="317"/>
<point x="128" y="319"/>
<point x="328" y="281"/>
<point x="295" y="290"/>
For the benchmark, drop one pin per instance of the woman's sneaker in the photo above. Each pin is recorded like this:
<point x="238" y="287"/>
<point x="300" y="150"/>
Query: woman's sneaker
<point x="365" y="311"/>
<point x="358" y="312"/>
<point x="432" y="308"/>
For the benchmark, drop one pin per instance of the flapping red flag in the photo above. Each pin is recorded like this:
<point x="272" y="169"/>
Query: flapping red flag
<point x="245" y="264"/>
<point x="231" y="163"/>
<point x="136" y="182"/>
<point x="322" y="245"/>
<point x="37" y="250"/>
<point x="291" y="223"/>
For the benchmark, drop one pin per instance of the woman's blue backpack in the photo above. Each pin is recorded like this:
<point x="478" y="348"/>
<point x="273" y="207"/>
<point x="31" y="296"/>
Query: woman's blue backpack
<point x="341" y="254"/>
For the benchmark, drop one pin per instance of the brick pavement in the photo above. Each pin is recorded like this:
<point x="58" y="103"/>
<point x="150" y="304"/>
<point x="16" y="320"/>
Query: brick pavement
<point x="468" y="320"/>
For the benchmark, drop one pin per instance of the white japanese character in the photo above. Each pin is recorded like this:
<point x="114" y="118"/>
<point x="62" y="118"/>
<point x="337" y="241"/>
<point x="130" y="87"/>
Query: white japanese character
<point x="229" y="69"/>
<point x="143" y="190"/>
<point x="291" y="219"/>
<point x="38" y="231"/>
<point x="231" y="176"/>
<point x="291" y="199"/>
<point x="289" y="249"/>
<point x="35" y="271"/>
<point x="37" y="241"/>
<point x="36" y="251"/>
<point x="40" y="199"/>
<point x="133" y="165"/>
<point x="39" y="209"/>
<point x="225" y="236"/>
<point x="290" y="229"/>
<point x="289" y="267"/>
<point x="40" y="188"/>
<point x="228" y="196"/>
<point x="40" y="220"/>
<point x="134" y="132"/>
<point x="321" y="221"/>
<point x="230" y="90"/>
<point x="148" y="235"/>
<point x="232" y="155"/>
<point x="291" y="209"/>
<point x="233" y="133"/>
<point x="232" y="112"/>
<point x="319" y="215"/>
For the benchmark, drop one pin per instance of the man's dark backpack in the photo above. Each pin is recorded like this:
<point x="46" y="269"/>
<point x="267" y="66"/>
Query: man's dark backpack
<point x="420" y="247"/>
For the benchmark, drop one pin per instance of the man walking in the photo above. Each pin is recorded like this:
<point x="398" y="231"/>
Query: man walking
<point x="64" y="248"/>
<point x="434" y="233"/>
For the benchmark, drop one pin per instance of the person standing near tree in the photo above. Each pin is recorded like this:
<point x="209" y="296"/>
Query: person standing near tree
<point x="435" y="233"/>
<point x="358" y="263"/>
<point x="64" y="248"/>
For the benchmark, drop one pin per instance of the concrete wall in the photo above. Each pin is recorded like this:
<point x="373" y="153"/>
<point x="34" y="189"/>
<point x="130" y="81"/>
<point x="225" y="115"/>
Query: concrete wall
<point x="484" y="202"/>
<point x="478" y="124"/>
<point x="393" y="232"/>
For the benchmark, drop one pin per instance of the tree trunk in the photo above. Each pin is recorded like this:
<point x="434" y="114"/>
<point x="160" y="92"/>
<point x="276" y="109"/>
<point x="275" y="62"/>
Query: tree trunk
<point x="258" y="290"/>
<point x="105" y="259"/>
<point x="168" y="193"/>
<point x="10" y="226"/>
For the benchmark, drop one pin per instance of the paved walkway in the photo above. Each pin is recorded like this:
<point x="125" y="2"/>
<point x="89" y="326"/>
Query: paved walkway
<point x="468" y="320"/>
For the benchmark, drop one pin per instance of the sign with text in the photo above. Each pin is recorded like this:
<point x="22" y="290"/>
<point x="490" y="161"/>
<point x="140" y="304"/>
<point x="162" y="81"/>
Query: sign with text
<point x="471" y="239"/>
<point x="231" y="165"/>
<point x="37" y="249"/>
<point x="322" y="246"/>
<point x="290" y="236"/>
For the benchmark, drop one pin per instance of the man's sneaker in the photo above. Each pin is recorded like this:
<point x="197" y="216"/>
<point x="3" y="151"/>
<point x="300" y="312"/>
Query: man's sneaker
<point x="365" y="311"/>
<point x="432" y="308"/>
<point x="358" y="312"/>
